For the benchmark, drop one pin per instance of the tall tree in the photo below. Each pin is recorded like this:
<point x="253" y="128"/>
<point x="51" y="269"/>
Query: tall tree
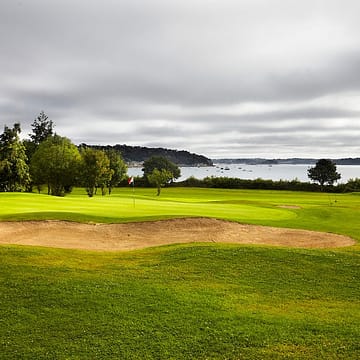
<point x="56" y="163"/>
<point x="324" y="172"/>
<point x="118" y="167"/>
<point x="14" y="171"/>
<point x="161" y="163"/>
<point x="42" y="128"/>
<point x="95" y="170"/>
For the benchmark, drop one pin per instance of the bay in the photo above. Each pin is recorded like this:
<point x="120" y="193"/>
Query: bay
<point x="252" y="172"/>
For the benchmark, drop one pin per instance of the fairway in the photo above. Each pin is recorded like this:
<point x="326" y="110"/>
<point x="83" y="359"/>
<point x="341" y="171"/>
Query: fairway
<point x="181" y="301"/>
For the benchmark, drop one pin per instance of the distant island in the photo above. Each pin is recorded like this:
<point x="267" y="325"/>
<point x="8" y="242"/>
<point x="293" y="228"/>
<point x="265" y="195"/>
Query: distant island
<point x="290" y="161"/>
<point x="136" y="155"/>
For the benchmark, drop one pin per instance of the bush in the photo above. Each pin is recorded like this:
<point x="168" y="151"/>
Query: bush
<point x="353" y="185"/>
<point x="257" y="184"/>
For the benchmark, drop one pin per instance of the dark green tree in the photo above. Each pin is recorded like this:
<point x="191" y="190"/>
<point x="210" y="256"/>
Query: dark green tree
<point x="42" y="128"/>
<point x="55" y="163"/>
<point x="161" y="163"/>
<point x="324" y="172"/>
<point x="159" y="178"/>
<point x="95" y="170"/>
<point x="118" y="167"/>
<point x="14" y="171"/>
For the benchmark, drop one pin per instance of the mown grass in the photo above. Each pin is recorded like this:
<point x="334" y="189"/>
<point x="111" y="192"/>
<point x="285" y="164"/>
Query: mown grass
<point x="338" y="213"/>
<point x="202" y="301"/>
<point x="179" y="302"/>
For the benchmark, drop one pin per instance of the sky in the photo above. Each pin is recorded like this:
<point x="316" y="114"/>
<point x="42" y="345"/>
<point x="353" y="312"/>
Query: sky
<point x="222" y="78"/>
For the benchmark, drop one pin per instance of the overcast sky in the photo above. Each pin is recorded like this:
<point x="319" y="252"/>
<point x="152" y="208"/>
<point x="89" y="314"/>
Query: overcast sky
<point x="224" y="78"/>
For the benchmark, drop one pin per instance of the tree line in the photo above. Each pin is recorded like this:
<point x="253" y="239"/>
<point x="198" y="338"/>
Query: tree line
<point x="352" y="185"/>
<point x="49" y="159"/>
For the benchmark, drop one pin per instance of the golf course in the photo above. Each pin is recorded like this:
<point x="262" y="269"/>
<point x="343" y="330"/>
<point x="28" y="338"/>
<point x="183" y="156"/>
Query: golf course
<point x="191" y="274"/>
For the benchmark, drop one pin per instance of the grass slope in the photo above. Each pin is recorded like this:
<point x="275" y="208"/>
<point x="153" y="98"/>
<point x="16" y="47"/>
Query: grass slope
<point x="179" y="302"/>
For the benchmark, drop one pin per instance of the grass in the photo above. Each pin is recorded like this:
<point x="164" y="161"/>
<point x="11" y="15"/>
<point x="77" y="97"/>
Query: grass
<point x="203" y="301"/>
<point x="338" y="213"/>
<point x="179" y="302"/>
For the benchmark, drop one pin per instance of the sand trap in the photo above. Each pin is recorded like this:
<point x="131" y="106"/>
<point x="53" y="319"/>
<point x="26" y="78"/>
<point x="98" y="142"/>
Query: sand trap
<point x="112" y="237"/>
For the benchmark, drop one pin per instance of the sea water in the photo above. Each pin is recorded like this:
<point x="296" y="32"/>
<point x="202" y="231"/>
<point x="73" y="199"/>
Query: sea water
<point x="252" y="172"/>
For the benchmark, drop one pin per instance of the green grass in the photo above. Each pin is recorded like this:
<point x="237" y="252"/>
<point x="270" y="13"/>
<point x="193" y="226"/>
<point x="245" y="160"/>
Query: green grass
<point x="338" y="213"/>
<point x="203" y="301"/>
<point x="179" y="302"/>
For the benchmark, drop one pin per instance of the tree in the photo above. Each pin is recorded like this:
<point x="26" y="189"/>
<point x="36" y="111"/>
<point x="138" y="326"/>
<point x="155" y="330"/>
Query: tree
<point x="95" y="170"/>
<point x="14" y="171"/>
<point x="118" y="167"/>
<point x="42" y="128"/>
<point x="353" y="185"/>
<point x="159" y="178"/>
<point x="55" y="163"/>
<point x="161" y="163"/>
<point x="324" y="172"/>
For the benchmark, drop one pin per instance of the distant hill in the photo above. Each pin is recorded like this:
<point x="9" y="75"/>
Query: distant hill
<point x="294" y="161"/>
<point x="138" y="154"/>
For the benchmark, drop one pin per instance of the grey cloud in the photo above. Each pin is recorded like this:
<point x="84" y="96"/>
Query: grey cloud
<point x="166" y="67"/>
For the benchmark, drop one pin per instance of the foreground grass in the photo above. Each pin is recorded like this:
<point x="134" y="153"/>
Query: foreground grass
<point x="338" y="213"/>
<point x="179" y="302"/>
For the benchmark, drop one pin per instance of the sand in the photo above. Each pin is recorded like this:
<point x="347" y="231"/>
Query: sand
<point x="130" y="236"/>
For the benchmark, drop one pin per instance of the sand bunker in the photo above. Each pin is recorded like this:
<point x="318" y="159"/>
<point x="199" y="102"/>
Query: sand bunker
<point x="113" y="237"/>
